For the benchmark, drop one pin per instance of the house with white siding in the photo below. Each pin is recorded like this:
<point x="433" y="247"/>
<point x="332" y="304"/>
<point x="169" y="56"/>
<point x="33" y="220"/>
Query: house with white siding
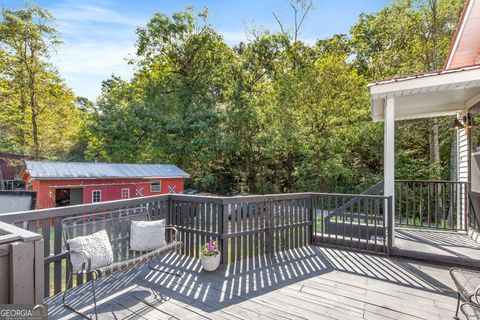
<point x="453" y="91"/>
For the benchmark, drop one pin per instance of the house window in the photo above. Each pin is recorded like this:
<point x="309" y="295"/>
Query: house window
<point x="125" y="193"/>
<point x="155" y="186"/>
<point x="96" y="196"/>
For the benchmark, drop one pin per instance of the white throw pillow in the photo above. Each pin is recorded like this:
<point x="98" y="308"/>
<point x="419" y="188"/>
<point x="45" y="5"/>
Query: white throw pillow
<point x="97" y="245"/>
<point x="147" y="235"/>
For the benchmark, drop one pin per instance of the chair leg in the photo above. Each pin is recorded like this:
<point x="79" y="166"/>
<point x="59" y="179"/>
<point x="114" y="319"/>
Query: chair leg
<point x="458" y="306"/>
<point x="94" y="298"/>
<point x="177" y="274"/>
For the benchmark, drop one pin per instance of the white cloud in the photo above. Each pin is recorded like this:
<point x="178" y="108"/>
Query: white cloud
<point x="90" y="12"/>
<point x="234" y="38"/>
<point x="97" y="41"/>
<point x="95" y="58"/>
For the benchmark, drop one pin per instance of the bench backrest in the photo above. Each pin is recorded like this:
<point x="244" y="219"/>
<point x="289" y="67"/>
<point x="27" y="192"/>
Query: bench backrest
<point x="116" y="223"/>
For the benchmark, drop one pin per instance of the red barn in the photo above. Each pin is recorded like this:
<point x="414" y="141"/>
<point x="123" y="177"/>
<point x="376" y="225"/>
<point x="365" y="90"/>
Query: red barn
<point x="70" y="183"/>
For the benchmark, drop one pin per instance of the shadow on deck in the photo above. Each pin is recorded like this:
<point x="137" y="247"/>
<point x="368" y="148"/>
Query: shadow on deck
<point x="448" y="247"/>
<point x="305" y="283"/>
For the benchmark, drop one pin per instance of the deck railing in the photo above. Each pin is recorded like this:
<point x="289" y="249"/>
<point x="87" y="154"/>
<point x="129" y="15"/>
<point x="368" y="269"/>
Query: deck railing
<point x="244" y="227"/>
<point x="353" y="221"/>
<point x="431" y="204"/>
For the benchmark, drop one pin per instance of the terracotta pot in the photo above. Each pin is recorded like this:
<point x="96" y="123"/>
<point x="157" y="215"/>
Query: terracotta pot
<point x="210" y="263"/>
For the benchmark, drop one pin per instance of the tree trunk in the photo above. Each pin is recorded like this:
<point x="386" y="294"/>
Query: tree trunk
<point x="23" y="106"/>
<point x="33" y="105"/>
<point x="434" y="149"/>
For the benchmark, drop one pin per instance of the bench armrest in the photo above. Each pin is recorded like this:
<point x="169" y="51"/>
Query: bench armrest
<point x="86" y="266"/>
<point x="175" y="233"/>
<point x="473" y="308"/>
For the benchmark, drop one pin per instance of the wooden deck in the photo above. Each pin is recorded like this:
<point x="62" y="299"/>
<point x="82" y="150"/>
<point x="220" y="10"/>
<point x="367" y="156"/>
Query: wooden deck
<point x="306" y="283"/>
<point x="449" y="247"/>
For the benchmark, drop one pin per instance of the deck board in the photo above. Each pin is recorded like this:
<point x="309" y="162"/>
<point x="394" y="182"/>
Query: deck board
<point x="304" y="283"/>
<point x="450" y="247"/>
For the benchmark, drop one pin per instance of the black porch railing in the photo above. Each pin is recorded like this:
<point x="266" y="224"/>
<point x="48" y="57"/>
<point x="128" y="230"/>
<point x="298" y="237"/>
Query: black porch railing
<point x="353" y="221"/>
<point x="431" y="204"/>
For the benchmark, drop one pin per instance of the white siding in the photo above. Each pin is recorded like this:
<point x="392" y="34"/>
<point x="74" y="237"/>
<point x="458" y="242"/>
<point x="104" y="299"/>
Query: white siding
<point x="463" y="156"/>
<point x="462" y="173"/>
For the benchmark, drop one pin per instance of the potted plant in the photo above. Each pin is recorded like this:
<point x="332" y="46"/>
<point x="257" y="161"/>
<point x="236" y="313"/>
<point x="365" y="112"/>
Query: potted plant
<point x="210" y="257"/>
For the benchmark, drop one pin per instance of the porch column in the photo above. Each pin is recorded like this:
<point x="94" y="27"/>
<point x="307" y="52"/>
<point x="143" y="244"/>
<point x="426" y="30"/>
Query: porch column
<point x="389" y="156"/>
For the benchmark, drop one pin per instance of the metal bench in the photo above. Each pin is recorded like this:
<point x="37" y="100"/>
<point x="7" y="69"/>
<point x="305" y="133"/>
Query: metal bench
<point x="468" y="287"/>
<point x="117" y="225"/>
<point x="471" y="311"/>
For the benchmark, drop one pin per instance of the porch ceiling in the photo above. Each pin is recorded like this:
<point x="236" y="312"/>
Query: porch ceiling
<point x="427" y="95"/>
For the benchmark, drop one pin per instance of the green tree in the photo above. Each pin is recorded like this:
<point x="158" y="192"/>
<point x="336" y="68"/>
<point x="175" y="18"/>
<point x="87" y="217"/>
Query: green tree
<point x="404" y="38"/>
<point x="38" y="114"/>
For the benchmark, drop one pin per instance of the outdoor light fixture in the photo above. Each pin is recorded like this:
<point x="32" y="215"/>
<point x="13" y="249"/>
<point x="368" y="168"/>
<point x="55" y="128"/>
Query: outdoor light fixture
<point x="469" y="121"/>
<point x="457" y="125"/>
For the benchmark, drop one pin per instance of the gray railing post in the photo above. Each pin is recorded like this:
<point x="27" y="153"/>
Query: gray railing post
<point x="312" y="228"/>
<point x="223" y="231"/>
<point x="21" y="266"/>
<point x="390" y="221"/>
<point x="169" y="216"/>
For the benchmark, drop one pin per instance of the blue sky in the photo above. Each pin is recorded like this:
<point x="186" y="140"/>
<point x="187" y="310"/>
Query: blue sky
<point x="99" y="35"/>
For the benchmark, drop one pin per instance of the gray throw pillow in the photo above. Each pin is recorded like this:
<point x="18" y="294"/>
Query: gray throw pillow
<point x="147" y="235"/>
<point x="97" y="245"/>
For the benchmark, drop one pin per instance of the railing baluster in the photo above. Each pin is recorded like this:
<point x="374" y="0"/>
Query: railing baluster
<point x="46" y="254"/>
<point x="436" y="198"/>
<point x="400" y="203"/>
<point x="57" y="267"/>
<point x="452" y="201"/>
<point x="367" y="231"/>
<point x="414" y="204"/>
<point x="376" y="211"/>
<point x="240" y="229"/>
<point x="344" y="214"/>
<point x="429" y="205"/>
<point x="421" y="204"/>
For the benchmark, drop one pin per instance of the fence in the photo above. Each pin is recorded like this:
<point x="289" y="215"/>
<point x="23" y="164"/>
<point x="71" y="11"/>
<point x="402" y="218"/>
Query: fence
<point x="13" y="185"/>
<point x="243" y="226"/>
<point x="474" y="211"/>
<point x="353" y="221"/>
<point x="431" y="204"/>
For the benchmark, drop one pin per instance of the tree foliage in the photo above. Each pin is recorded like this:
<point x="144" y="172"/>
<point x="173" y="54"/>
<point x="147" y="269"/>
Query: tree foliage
<point x="38" y="114"/>
<point x="274" y="114"/>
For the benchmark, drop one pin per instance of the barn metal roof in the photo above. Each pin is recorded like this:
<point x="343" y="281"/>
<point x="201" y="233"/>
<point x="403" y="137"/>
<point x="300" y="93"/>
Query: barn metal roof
<point x="86" y="170"/>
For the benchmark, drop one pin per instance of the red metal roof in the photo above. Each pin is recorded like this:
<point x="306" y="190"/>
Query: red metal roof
<point x="464" y="54"/>
<point x="465" y="48"/>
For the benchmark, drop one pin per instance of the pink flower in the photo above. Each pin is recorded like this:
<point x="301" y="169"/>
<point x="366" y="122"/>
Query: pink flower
<point x="212" y="241"/>
<point x="211" y="248"/>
